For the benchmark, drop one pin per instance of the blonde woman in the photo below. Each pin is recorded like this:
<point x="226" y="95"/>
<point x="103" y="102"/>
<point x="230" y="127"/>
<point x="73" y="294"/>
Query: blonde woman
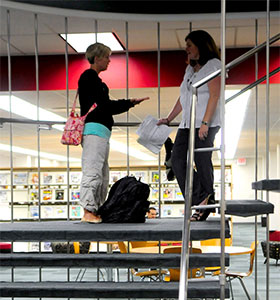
<point x="97" y="131"/>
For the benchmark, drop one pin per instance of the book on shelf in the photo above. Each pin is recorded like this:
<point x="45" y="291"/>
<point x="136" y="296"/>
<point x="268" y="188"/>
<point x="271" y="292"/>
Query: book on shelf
<point x="34" y="211"/>
<point x="154" y="176"/>
<point x="34" y="247"/>
<point x="168" y="193"/>
<point x="47" y="212"/>
<point x="166" y="210"/>
<point x="34" y="195"/>
<point x="47" y="194"/>
<point x="47" y="246"/>
<point x="154" y="193"/>
<point x="181" y="212"/>
<point x="76" y="211"/>
<point x="178" y="194"/>
<point x="163" y="177"/>
<point x="20" y="178"/>
<point x="60" y="211"/>
<point x="75" y="177"/>
<point x="33" y="178"/>
<point x="140" y="175"/>
<point x="75" y="195"/>
<point x="4" y="178"/>
<point x="59" y="178"/>
<point x="47" y="178"/>
<point x="115" y="176"/>
<point x="3" y="197"/>
<point x="59" y="195"/>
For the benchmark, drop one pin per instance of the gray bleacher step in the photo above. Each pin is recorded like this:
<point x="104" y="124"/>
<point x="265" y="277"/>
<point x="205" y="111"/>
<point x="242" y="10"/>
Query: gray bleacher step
<point x="117" y="260"/>
<point x="168" y="229"/>
<point x="272" y="185"/>
<point x="198" y="288"/>
<point x="248" y="208"/>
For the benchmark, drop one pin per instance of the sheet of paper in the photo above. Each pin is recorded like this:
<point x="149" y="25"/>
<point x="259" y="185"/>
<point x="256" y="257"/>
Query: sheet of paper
<point x="151" y="135"/>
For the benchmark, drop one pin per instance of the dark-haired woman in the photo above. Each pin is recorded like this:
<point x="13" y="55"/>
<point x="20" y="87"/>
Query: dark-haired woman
<point x="203" y="59"/>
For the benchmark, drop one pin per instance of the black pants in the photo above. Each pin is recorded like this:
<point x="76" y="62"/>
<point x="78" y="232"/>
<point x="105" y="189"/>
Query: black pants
<point x="203" y="176"/>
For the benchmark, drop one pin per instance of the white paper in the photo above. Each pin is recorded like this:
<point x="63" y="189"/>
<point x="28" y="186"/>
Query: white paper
<point x="151" y="135"/>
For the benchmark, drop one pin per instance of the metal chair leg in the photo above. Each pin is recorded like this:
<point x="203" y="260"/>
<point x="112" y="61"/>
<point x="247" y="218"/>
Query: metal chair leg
<point x="230" y="286"/>
<point x="244" y="288"/>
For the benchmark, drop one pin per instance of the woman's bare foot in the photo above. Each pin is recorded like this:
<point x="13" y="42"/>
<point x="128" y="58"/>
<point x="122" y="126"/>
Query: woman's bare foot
<point x="90" y="217"/>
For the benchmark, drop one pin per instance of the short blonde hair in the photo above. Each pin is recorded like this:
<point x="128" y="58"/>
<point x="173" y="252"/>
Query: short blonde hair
<point x="96" y="50"/>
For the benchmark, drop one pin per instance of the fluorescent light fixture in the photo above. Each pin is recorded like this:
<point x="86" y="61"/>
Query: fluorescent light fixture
<point x="29" y="111"/>
<point x="80" y="41"/>
<point x="120" y="147"/>
<point x="30" y="152"/>
<point x="235" y="112"/>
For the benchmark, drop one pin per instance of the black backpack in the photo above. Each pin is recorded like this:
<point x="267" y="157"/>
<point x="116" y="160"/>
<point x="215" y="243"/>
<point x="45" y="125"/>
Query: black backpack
<point x="127" y="202"/>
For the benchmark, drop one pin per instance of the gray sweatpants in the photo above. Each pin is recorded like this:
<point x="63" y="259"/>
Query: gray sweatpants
<point x="95" y="171"/>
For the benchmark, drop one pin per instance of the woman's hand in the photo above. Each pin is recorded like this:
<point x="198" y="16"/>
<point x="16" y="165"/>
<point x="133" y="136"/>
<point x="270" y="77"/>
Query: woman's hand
<point x="203" y="132"/>
<point x="164" y="121"/>
<point x="136" y="101"/>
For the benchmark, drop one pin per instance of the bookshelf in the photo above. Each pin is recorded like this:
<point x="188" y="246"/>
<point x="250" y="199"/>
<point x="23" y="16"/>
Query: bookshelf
<point x="59" y="191"/>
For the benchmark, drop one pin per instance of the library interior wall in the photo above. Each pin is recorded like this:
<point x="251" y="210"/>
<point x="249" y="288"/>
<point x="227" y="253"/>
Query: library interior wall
<point x="242" y="176"/>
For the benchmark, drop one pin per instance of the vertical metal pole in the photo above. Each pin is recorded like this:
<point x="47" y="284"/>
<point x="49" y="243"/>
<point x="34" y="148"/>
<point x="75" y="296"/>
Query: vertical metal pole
<point x="159" y="161"/>
<point x="11" y="128"/>
<point x="222" y="105"/>
<point x="190" y="26"/>
<point x="127" y="96"/>
<point x="96" y="29"/>
<point x="67" y="109"/>
<point x="38" y="126"/>
<point x="184" y="265"/>
<point x="267" y="139"/>
<point x="10" y="106"/>
<point x="98" y="269"/>
<point x="67" y="148"/>
<point x="38" y="116"/>
<point x="256" y="157"/>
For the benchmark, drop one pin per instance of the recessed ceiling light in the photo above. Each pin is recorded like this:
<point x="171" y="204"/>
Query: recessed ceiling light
<point x="80" y="41"/>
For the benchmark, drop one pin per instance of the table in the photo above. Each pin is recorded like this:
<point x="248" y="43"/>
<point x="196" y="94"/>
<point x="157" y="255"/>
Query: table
<point x="95" y="246"/>
<point x="231" y="250"/>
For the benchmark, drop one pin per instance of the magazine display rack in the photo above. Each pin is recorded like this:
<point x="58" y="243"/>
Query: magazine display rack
<point x="56" y="194"/>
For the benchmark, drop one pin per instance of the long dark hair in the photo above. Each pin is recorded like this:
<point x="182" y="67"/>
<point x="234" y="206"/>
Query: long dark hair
<point x="206" y="46"/>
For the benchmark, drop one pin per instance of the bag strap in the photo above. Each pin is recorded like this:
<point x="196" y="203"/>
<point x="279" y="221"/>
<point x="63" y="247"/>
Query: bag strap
<point x="74" y="103"/>
<point x="94" y="105"/>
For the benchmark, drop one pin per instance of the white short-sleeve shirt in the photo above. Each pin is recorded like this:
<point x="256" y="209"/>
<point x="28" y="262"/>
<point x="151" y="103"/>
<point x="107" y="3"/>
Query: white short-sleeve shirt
<point x="190" y="78"/>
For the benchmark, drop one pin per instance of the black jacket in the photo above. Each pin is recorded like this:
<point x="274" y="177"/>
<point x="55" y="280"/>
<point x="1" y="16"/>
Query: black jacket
<point x="93" y="90"/>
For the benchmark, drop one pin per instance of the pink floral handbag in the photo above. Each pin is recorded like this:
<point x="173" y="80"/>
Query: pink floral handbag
<point x="74" y="127"/>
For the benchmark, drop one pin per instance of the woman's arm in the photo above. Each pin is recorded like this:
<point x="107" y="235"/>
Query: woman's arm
<point x="214" y="87"/>
<point x="122" y="105"/>
<point x="177" y="108"/>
